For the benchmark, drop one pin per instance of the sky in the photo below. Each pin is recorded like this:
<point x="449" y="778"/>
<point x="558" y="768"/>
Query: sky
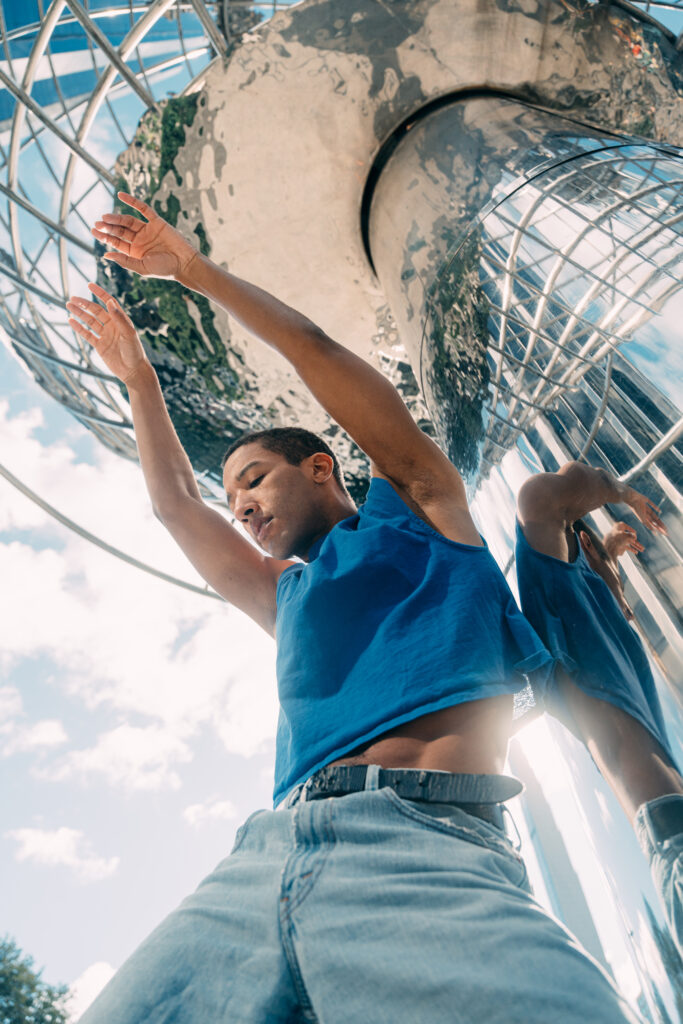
<point x="136" y="719"/>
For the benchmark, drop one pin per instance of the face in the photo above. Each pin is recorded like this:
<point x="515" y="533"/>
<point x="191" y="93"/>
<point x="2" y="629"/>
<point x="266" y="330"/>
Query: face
<point x="607" y="571"/>
<point x="278" y="503"/>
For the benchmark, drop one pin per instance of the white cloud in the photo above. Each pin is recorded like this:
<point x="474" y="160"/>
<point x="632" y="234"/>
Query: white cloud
<point x="45" y="734"/>
<point x="120" y="639"/>
<point x="129" y="756"/>
<point x="62" y="847"/>
<point x="10" y="707"/>
<point x="18" y="736"/>
<point x="87" y="987"/>
<point x="213" y="809"/>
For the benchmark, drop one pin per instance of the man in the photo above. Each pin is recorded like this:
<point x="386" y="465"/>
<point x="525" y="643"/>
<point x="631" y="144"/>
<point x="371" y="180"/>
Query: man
<point x="383" y="888"/>
<point x="603" y="689"/>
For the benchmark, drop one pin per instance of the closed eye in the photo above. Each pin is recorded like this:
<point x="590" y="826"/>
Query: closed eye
<point x="257" y="480"/>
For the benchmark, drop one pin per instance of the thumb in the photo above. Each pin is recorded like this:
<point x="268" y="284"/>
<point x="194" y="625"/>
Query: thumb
<point x="127" y="262"/>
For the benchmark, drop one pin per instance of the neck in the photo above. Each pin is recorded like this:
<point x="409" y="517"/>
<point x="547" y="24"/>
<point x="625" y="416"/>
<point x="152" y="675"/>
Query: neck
<point x="342" y="509"/>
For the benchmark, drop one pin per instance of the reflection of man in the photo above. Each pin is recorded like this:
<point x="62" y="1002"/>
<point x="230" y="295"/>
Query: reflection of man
<point x="384" y="889"/>
<point x="571" y="592"/>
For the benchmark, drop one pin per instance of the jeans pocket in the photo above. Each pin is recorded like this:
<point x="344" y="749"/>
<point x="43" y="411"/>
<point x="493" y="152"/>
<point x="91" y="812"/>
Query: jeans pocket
<point x="461" y="825"/>
<point x="241" y="833"/>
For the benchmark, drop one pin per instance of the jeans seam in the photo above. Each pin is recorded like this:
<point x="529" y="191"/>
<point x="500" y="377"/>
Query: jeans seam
<point x="287" y="908"/>
<point x="457" y="831"/>
<point x="286" y="924"/>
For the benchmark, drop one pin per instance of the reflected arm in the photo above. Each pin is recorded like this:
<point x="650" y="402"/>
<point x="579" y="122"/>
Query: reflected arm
<point x="548" y="504"/>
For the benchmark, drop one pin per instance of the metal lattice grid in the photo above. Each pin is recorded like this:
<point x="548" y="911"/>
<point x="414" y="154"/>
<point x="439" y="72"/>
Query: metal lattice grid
<point x="575" y="264"/>
<point x="74" y="85"/>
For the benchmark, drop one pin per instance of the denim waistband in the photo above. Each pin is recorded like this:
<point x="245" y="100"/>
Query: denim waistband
<point x="479" y="794"/>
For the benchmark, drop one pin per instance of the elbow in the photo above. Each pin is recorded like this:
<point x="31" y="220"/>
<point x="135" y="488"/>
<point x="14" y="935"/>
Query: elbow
<point x="571" y="468"/>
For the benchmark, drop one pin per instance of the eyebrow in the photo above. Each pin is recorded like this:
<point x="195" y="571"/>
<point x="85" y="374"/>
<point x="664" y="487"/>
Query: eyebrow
<point x="254" y="462"/>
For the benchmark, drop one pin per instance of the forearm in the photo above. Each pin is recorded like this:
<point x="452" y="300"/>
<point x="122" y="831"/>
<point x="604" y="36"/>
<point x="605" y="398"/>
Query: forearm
<point x="354" y="393"/>
<point x="166" y="468"/>
<point x="269" y="319"/>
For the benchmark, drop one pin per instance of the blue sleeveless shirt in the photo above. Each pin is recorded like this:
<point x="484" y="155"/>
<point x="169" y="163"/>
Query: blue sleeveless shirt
<point x="388" y="621"/>
<point x="579" y="620"/>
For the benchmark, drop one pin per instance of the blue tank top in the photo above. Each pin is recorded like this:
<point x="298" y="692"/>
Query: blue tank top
<point x="579" y="620"/>
<point x="388" y="621"/>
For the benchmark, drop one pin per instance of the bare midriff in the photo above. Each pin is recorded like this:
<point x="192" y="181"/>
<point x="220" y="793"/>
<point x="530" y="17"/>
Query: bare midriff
<point x="469" y="738"/>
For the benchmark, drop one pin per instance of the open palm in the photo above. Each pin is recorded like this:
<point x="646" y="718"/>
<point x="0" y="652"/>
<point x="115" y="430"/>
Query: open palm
<point x="151" y="248"/>
<point x="647" y="512"/>
<point x="109" y="331"/>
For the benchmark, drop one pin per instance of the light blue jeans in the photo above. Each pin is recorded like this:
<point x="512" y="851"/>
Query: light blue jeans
<point x="362" y="909"/>
<point x="659" y="827"/>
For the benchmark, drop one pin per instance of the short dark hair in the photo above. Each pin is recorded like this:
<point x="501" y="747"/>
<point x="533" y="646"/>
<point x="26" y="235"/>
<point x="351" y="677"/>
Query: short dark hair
<point x="294" y="443"/>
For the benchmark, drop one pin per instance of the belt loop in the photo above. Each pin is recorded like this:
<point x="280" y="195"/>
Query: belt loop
<point x="515" y="838"/>
<point x="372" y="776"/>
<point x="292" y="798"/>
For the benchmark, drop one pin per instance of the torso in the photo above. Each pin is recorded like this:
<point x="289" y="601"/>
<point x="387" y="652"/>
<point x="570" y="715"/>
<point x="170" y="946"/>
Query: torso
<point x="468" y="738"/>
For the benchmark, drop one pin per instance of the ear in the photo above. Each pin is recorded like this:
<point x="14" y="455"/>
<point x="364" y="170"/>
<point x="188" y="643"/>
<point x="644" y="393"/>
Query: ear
<point x="586" y="542"/>
<point x="321" y="466"/>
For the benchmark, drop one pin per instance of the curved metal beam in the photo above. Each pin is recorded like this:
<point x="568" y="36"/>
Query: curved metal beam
<point x="92" y="539"/>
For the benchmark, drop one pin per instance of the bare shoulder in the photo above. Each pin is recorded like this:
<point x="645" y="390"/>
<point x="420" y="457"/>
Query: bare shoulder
<point x="439" y="503"/>
<point x="541" y="498"/>
<point x="236" y="569"/>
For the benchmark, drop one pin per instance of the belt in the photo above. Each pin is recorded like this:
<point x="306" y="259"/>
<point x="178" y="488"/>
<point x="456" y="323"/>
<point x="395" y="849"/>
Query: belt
<point x="480" y="795"/>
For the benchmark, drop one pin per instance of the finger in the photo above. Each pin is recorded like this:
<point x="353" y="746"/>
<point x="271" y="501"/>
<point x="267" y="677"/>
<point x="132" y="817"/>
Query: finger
<point x="116" y="241"/>
<point x="112" y="304"/>
<point x="83" y="332"/>
<point x="89" y="306"/>
<point x="127" y="262"/>
<point x="123" y="220"/>
<point x="137" y="204"/>
<point x="88" y="315"/>
<point x="98" y="291"/>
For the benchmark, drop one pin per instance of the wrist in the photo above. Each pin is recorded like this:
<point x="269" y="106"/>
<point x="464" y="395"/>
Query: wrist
<point x="141" y="377"/>
<point x="191" y="272"/>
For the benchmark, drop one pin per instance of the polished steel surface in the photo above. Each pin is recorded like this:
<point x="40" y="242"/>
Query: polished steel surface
<point x="534" y="268"/>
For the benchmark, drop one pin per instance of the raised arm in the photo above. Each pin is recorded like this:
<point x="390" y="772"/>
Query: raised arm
<point x="548" y="504"/>
<point x="356" y="395"/>
<point x="226" y="560"/>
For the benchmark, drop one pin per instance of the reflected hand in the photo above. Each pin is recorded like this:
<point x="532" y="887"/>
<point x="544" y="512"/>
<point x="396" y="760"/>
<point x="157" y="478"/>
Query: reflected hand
<point x="621" y="538"/>
<point x="109" y="331"/>
<point x="152" y="248"/>
<point x="646" y="510"/>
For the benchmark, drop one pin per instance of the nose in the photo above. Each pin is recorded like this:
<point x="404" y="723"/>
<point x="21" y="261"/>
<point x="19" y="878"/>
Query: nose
<point x="245" y="506"/>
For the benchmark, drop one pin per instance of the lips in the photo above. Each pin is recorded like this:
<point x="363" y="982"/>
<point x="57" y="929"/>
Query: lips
<point x="261" y="528"/>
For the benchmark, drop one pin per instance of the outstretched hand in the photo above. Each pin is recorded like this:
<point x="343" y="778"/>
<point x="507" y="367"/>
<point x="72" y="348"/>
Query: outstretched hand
<point x="152" y="248"/>
<point x="647" y="511"/>
<point x="107" y="328"/>
<point x="622" y="538"/>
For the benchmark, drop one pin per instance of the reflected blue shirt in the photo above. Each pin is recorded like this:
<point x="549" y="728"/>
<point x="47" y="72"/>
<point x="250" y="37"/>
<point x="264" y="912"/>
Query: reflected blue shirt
<point x="388" y="621"/>
<point x="579" y="620"/>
